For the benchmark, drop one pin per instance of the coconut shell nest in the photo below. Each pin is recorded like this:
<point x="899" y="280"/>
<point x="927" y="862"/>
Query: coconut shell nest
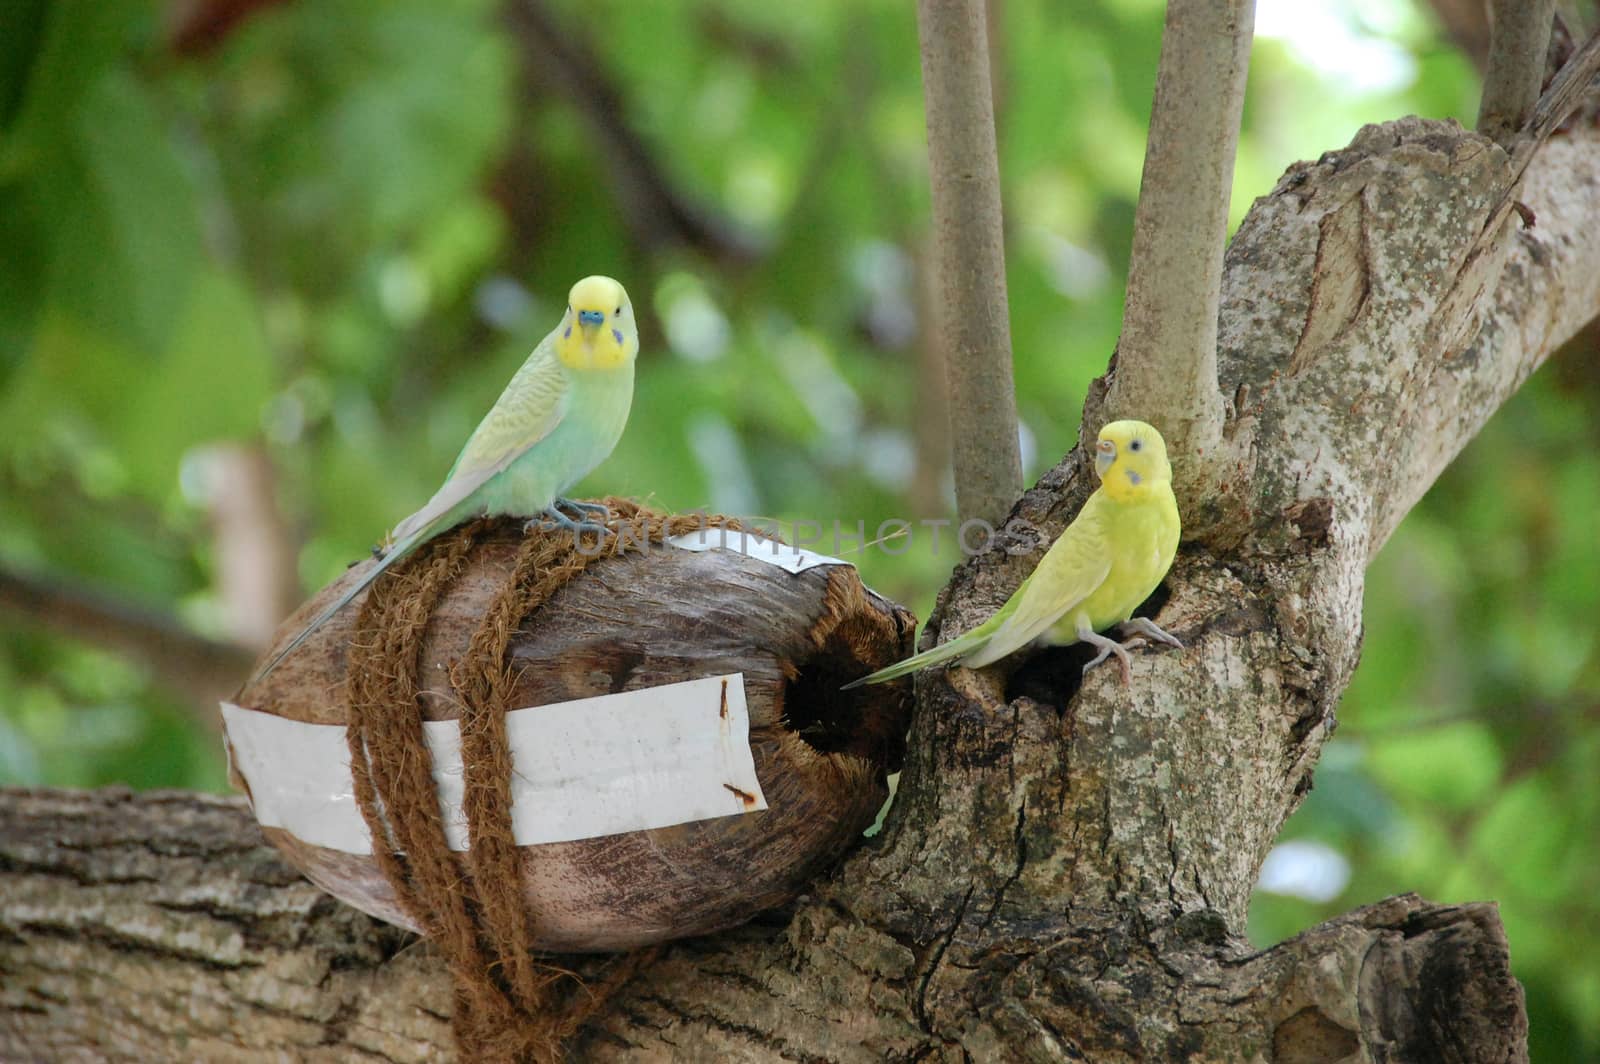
<point x="634" y="621"/>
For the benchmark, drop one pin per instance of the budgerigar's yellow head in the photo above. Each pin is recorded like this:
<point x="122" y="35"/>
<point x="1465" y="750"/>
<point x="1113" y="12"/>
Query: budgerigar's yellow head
<point x="1131" y="459"/>
<point x="598" y="331"/>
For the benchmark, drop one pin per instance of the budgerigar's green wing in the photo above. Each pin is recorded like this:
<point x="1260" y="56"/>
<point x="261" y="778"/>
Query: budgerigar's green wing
<point x="1070" y="571"/>
<point x="530" y="408"/>
<point x="1076" y="564"/>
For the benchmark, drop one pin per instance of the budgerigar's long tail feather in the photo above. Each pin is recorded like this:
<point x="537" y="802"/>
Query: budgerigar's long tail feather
<point x="395" y="553"/>
<point x="956" y="648"/>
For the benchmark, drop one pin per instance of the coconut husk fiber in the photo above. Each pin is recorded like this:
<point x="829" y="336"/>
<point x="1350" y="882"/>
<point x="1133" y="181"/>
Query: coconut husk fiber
<point x="488" y="618"/>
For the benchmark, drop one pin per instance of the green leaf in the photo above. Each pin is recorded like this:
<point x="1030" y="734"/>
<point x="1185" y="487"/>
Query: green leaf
<point x="124" y="228"/>
<point x="1454" y="765"/>
<point x="23" y="268"/>
<point x="210" y="385"/>
<point x="51" y="57"/>
<point x="22" y="30"/>
<point x="72" y="372"/>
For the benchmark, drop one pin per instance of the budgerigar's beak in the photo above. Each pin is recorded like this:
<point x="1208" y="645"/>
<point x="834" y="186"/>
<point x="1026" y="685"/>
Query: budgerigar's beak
<point x="589" y="322"/>
<point x="1105" y="453"/>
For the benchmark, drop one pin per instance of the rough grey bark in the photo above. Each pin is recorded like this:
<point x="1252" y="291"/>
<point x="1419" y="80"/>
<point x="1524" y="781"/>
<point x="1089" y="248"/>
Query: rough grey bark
<point x="1167" y="354"/>
<point x="1066" y="871"/>
<point x="973" y="319"/>
<point x="159" y="927"/>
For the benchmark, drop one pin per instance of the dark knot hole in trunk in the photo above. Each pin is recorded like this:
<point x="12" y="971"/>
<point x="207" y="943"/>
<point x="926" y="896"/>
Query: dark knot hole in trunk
<point x="1052" y="675"/>
<point x="868" y="722"/>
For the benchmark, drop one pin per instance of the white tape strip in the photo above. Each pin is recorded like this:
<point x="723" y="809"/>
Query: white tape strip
<point x="596" y="766"/>
<point x="794" y="559"/>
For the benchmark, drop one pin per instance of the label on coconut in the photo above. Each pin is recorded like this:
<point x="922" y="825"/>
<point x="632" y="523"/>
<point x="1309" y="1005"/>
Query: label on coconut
<point x="762" y="549"/>
<point x="596" y="766"/>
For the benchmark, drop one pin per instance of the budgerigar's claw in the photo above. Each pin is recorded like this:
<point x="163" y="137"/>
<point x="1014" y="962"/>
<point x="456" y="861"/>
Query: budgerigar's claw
<point x="1107" y="648"/>
<point x="1150" y="630"/>
<point x="599" y="509"/>
<point x="553" y="516"/>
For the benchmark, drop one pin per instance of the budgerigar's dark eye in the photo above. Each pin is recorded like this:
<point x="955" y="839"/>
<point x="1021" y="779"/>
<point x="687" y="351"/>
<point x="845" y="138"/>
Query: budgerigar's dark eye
<point x="619" y="312"/>
<point x="1136" y="445"/>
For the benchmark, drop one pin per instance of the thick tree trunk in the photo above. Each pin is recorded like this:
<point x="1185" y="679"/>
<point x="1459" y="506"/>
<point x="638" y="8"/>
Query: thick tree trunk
<point x="160" y="927"/>
<point x="1066" y="872"/>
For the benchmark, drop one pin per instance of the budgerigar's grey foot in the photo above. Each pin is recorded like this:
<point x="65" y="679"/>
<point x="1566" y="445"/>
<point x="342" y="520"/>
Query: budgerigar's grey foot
<point x="553" y="516"/>
<point x="378" y="551"/>
<point x="587" y="509"/>
<point x="1107" y="648"/>
<point x="1150" y="630"/>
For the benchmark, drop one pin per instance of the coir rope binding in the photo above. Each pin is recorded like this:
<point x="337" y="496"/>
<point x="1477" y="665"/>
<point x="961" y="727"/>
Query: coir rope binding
<point x="509" y="1005"/>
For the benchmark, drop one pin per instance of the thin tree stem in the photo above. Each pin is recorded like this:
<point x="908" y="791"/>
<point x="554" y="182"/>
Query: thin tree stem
<point x="1166" y="369"/>
<point x="1567" y="90"/>
<point x="1518" y="45"/>
<point x="969" y="249"/>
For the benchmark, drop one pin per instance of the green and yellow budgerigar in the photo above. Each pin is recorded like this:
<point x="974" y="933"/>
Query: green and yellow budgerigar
<point x="1112" y="556"/>
<point x="560" y="416"/>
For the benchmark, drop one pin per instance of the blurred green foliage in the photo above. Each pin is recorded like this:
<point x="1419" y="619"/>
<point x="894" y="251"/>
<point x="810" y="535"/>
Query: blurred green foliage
<point x="334" y="229"/>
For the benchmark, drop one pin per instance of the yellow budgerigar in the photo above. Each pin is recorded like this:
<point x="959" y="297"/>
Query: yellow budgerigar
<point x="559" y="417"/>
<point x="1112" y="556"/>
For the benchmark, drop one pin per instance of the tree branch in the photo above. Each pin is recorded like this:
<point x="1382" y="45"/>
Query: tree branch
<point x="561" y="61"/>
<point x="255" y="565"/>
<point x="931" y="430"/>
<point x="200" y="669"/>
<point x="1518" y="43"/>
<point x="1466" y="23"/>
<point x="1166" y="371"/>
<point x="1365" y="336"/>
<point x="969" y="248"/>
<point x="131" y="925"/>
<point x="1566" y="92"/>
<point x="198" y="27"/>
